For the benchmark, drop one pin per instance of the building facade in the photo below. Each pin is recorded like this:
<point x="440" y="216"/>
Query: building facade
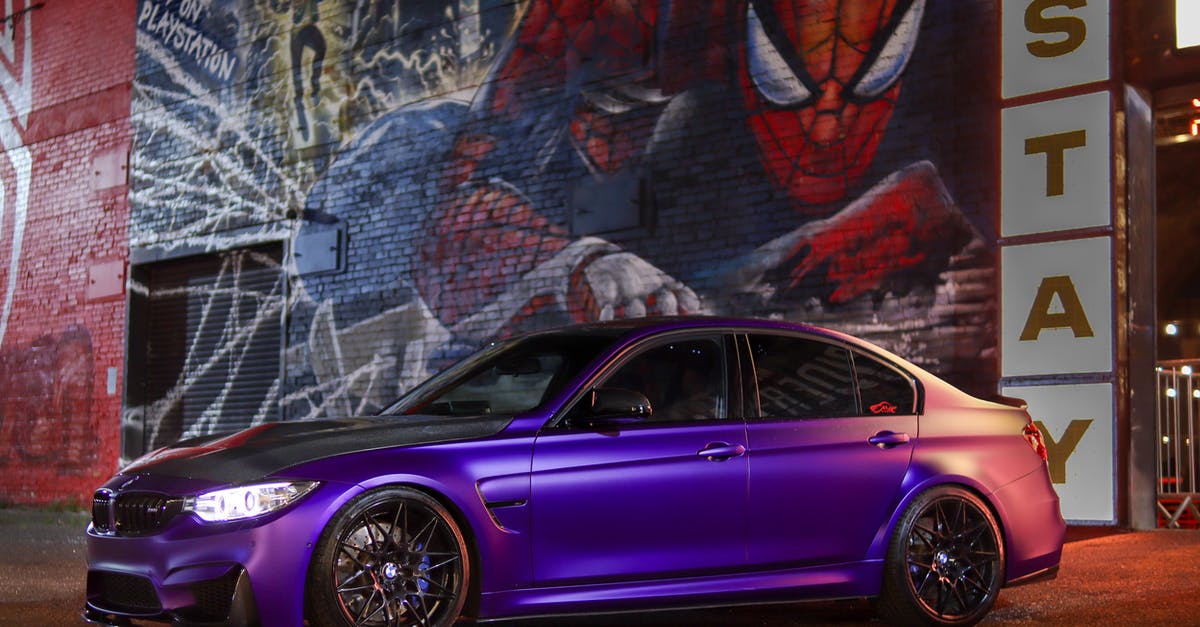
<point x="224" y="212"/>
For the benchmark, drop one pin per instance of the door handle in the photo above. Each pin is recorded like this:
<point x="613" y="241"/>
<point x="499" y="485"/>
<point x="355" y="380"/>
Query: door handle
<point x="888" y="439"/>
<point x="720" y="451"/>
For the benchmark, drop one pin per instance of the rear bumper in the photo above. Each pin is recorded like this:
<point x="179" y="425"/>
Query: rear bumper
<point x="1034" y="528"/>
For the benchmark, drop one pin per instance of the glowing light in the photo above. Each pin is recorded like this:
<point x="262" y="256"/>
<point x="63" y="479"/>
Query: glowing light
<point x="1186" y="370"/>
<point x="1187" y="23"/>
<point x="1196" y="393"/>
<point x="1171" y="393"/>
<point x="1196" y="120"/>
<point x="1171" y="329"/>
<point x="1166" y="440"/>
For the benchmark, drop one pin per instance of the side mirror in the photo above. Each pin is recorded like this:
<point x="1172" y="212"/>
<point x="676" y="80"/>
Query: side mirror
<point x="614" y="407"/>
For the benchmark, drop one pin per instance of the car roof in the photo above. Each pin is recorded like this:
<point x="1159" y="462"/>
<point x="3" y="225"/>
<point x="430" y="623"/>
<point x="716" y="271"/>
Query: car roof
<point x="632" y="328"/>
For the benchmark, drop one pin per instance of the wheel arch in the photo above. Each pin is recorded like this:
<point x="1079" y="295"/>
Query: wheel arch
<point x="883" y="539"/>
<point x="470" y="608"/>
<point x="958" y="599"/>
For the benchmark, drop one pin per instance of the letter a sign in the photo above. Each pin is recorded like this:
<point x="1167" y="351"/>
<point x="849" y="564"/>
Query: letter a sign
<point x="1057" y="314"/>
<point x="1072" y="316"/>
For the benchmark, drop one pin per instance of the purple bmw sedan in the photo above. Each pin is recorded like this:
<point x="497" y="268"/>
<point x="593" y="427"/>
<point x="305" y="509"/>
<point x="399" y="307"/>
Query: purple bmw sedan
<point x="656" y="463"/>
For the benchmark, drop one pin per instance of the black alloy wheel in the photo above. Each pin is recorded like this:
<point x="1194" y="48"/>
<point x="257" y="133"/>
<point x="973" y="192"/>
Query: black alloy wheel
<point x="945" y="564"/>
<point x="392" y="557"/>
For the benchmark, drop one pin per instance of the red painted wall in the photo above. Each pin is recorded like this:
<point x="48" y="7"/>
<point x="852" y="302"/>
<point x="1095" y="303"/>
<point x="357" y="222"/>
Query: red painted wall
<point x="65" y="75"/>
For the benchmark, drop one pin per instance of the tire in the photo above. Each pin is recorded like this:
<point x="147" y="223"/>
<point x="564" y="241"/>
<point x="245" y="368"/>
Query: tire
<point x="391" y="557"/>
<point x="945" y="562"/>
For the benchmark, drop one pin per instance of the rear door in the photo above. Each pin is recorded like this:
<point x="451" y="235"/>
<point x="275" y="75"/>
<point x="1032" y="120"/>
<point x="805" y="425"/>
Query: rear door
<point x="826" y="457"/>
<point x="652" y="498"/>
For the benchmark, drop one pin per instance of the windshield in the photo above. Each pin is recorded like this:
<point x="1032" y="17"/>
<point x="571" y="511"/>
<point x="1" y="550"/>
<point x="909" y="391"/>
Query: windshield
<point x="508" y="377"/>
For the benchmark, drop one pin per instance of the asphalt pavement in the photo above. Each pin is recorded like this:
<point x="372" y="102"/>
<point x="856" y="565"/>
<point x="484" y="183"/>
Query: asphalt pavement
<point x="1108" y="577"/>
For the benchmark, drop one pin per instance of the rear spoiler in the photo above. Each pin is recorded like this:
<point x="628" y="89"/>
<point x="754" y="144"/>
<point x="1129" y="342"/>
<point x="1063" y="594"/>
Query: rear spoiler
<point x="1010" y="401"/>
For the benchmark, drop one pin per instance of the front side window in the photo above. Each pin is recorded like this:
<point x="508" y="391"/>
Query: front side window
<point x="802" y="378"/>
<point x="684" y="380"/>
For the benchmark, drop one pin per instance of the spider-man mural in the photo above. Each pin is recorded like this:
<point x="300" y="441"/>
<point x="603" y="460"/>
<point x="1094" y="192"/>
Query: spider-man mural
<point x="628" y="157"/>
<point x="596" y="86"/>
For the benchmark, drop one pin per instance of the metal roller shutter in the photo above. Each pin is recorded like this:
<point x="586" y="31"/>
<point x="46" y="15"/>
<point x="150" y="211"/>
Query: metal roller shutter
<point x="213" y="343"/>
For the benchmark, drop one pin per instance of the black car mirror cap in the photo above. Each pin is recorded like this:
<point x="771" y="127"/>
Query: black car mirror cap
<point x="619" y="402"/>
<point x="609" y="408"/>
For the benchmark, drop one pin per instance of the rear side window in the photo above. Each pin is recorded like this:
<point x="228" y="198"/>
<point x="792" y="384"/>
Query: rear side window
<point x="884" y="390"/>
<point x="802" y="378"/>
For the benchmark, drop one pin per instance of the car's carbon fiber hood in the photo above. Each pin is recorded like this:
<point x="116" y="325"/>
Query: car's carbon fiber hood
<point x="273" y="447"/>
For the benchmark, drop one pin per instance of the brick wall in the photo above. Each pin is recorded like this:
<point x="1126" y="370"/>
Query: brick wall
<point x="449" y="171"/>
<point x="65" y="78"/>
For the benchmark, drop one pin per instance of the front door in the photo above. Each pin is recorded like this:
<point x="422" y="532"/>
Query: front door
<point x="662" y="497"/>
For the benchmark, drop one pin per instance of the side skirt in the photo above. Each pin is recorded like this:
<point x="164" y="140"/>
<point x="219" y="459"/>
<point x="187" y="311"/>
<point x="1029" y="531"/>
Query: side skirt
<point x="1046" y="574"/>
<point x="839" y="581"/>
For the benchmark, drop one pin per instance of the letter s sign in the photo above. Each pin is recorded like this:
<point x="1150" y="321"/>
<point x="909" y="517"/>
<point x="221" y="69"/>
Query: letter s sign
<point x="1052" y="44"/>
<point x="1073" y="29"/>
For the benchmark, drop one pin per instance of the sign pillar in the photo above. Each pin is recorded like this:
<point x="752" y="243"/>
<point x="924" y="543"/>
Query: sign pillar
<point x="1057" y="332"/>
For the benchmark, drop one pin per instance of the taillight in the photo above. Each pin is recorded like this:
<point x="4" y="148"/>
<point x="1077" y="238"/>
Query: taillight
<point x="1033" y="436"/>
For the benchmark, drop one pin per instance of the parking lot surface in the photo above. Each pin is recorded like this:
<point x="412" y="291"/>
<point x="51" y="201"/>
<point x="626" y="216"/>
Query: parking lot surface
<point x="1108" y="577"/>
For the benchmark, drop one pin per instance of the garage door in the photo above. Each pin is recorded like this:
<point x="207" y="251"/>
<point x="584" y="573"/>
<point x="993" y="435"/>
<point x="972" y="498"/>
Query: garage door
<point x="212" y="344"/>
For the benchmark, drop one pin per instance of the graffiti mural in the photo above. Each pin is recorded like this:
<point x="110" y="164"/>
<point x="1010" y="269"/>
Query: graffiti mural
<point x="46" y="403"/>
<point x="479" y="168"/>
<point x="16" y="69"/>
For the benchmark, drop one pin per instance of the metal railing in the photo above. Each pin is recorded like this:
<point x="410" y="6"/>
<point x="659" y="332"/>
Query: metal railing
<point x="1178" y="401"/>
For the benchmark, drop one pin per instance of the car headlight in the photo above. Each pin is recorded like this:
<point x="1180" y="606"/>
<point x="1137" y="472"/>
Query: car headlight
<point x="247" y="501"/>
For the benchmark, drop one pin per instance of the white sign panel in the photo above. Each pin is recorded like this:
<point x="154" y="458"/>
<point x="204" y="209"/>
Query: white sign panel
<point x="1049" y="44"/>
<point x="1187" y="23"/>
<point x="1056" y="307"/>
<point x="1055" y="165"/>
<point x="1077" y="424"/>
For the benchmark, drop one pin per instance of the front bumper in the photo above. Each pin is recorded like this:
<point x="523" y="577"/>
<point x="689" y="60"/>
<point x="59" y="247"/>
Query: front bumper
<point x="114" y="598"/>
<point x="192" y="572"/>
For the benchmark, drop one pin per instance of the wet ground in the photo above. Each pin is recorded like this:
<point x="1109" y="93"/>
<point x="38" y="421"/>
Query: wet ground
<point x="1107" y="578"/>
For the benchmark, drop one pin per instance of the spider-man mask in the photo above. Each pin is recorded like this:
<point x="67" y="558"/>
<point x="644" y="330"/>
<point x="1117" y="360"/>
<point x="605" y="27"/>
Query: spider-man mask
<point x="820" y="80"/>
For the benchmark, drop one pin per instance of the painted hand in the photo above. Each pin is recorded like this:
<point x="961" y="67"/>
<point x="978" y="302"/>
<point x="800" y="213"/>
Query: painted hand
<point x="623" y="285"/>
<point x="902" y="232"/>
